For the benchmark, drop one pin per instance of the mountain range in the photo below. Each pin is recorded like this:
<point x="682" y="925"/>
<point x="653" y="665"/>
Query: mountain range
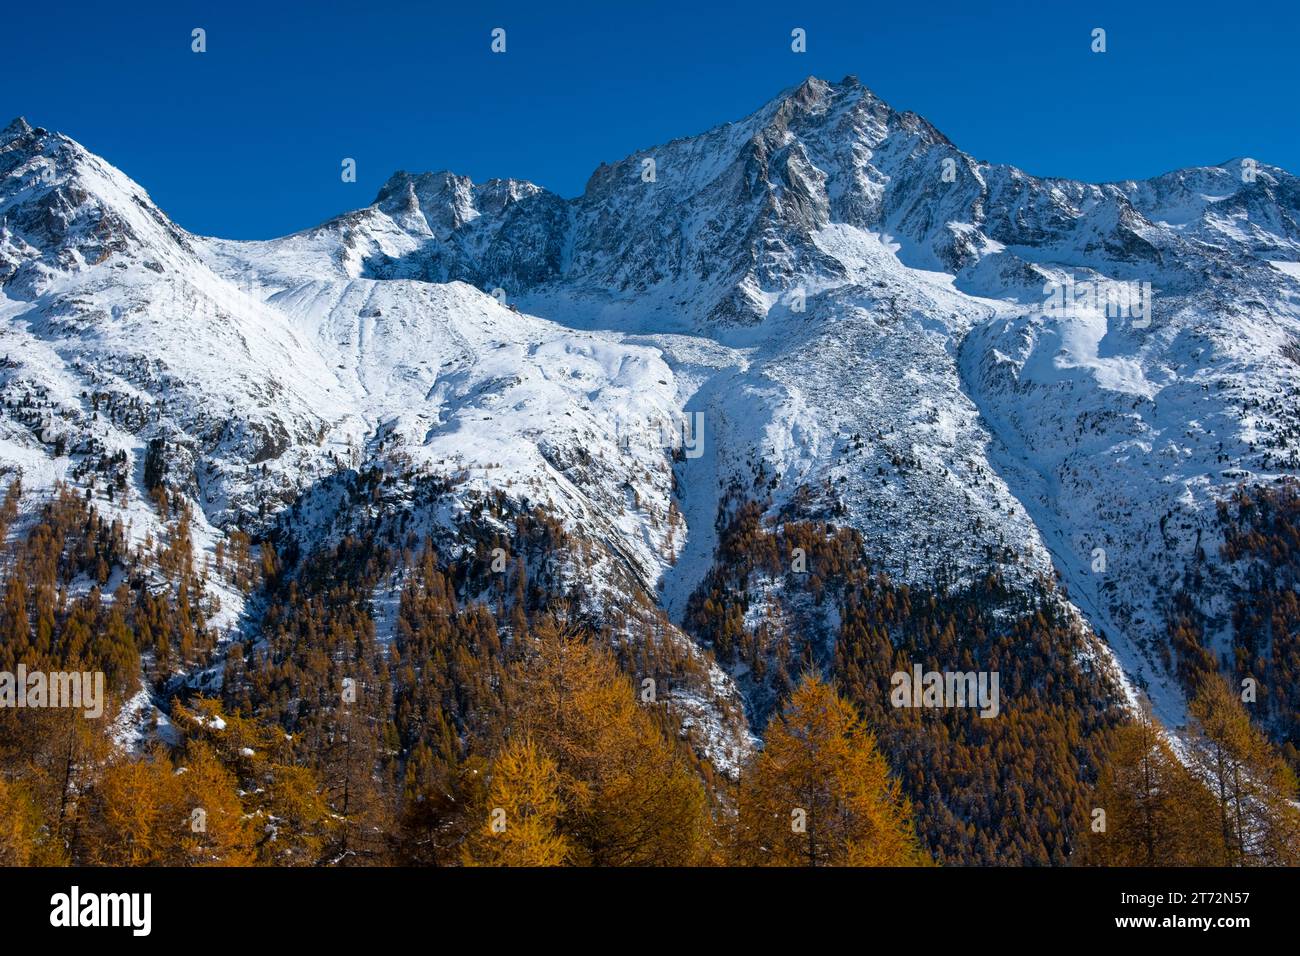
<point x="825" y="308"/>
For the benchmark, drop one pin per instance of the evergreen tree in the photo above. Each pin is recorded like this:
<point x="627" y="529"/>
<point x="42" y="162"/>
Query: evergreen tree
<point x="820" y="794"/>
<point x="1255" y="791"/>
<point x="1153" y="810"/>
<point x="630" y="797"/>
<point x="522" y="811"/>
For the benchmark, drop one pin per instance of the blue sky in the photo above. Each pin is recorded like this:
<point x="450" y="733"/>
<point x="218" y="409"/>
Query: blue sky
<point x="246" y="140"/>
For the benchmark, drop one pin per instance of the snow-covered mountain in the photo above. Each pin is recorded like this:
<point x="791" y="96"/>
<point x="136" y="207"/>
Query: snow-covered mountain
<point x="825" y="306"/>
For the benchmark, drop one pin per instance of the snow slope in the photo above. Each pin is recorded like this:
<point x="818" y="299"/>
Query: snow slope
<point x="854" y="310"/>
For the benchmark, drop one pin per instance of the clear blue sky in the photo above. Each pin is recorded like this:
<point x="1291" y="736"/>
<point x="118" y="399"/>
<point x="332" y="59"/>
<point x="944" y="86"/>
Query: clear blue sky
<point x="246" y="139"/>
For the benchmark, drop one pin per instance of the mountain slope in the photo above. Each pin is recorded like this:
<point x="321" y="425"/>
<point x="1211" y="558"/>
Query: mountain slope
<point x="851" y="319"/>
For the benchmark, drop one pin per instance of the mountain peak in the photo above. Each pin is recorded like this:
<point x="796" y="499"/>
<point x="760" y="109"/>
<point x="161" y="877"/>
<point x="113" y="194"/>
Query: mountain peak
<point x="817" y="84"/>
<point x="17" y="127"/>
<point x="815" y="96"/>
<point x="402" y="183"/>
<point x="811" y="92"/>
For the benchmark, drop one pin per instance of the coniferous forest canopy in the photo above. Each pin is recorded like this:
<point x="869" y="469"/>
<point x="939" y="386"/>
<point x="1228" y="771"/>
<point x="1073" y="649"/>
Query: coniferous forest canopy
<point x="496" y="700"/>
